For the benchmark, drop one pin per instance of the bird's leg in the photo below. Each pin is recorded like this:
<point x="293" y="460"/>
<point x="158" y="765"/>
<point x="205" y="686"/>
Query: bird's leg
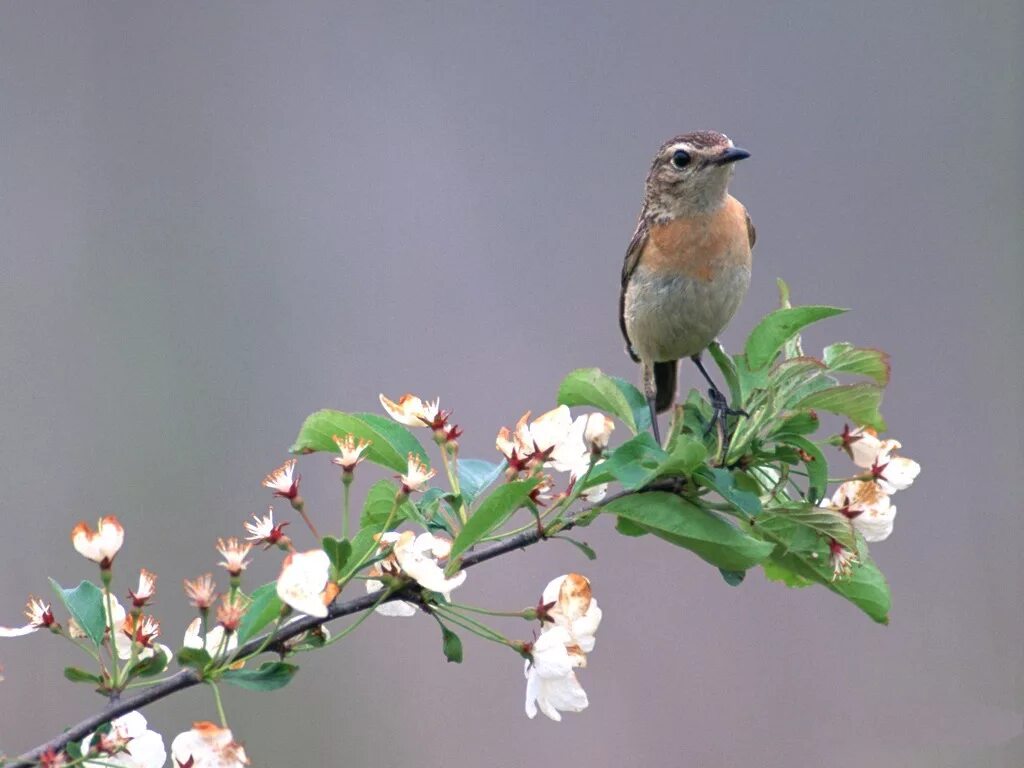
<point x="651" y="393"/>
<point x="720" y="409"/>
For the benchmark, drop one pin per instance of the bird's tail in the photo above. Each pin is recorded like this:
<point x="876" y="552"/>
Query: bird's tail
<point x="665" y="383"/>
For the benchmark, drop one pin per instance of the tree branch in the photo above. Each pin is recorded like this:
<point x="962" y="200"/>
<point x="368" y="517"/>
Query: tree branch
<point x="187" y="678"/>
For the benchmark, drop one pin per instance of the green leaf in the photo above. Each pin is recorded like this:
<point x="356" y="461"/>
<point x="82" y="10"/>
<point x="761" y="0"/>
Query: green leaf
<point x="377" y="508"/>
<point x="729" y="373"/>
<point x="708" y="536"/>
<point x="865" y="587"/>
<point x="492" y="512"/>
<point x="85" y="604"/>
<point x="775" y="571"/>
<point x="782" y="524"/>
<point x="629" y="528"/>
<point x="451" y="645"/>
<point x="265" y="607"/>
<point x="640" y="460"/>
<point x="270" y="676"/>
<point x="777" y="327"/>
<point x="803" y="423"/>
<point x="338" y="552"/>
<point x="197" y="658"/>
<point x="475" y="476"/>
<point x="390" y="442"/>
<point x="76" y="675"/>
<point x="582" y="546"/>
<point x="609" y="394"/>
<point x="859" y="402"/>
<point x="724" y="484"/>
<point x="846" y="358"/>
<point x="152" y="666"/>
<point x="429" y="508"/>
<point x="635" y="462"/>
<point x="364" y="544"/>
<point x="686" y="455"/>
<point x="733" y="578"/>
<point x="814" y="462"/>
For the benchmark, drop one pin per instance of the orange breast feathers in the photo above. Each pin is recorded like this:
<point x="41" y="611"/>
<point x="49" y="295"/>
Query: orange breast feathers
<point x="700" y="247"/>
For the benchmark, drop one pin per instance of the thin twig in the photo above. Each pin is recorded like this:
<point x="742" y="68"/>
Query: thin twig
<point x="187" y="678"/>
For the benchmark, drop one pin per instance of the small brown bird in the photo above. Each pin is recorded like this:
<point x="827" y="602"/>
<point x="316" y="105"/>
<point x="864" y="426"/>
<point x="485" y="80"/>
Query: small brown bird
<point x="688" y="266"/>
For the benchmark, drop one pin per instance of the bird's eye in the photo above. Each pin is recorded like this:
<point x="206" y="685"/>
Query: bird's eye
<point x="680" y="158"/>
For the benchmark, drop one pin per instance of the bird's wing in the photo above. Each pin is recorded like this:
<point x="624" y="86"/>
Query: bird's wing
<point x="636" y="247"/>
<point x="751" y="232"/>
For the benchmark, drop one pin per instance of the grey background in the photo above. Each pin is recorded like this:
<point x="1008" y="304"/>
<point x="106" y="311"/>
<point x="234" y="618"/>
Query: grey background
<point x="218" y="217"/>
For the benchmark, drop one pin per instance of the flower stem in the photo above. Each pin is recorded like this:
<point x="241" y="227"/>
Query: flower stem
<point x="486" y="612"/>
<point x="453" y="478"/>
<point x="220" y="704"/>
<point x="346" y="481"/>
<point x="470" y="624"/>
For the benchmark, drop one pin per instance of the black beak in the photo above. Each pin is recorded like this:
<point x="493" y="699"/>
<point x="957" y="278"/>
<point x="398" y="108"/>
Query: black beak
<point x="731" y="155"/>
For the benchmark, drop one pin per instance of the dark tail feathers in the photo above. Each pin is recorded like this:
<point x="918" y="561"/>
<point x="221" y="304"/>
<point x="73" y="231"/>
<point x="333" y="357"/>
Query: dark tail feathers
<point x="665" y="382"/>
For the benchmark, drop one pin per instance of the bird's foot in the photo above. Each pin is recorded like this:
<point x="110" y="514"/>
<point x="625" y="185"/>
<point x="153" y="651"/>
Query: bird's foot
<point x="720" y="412"/>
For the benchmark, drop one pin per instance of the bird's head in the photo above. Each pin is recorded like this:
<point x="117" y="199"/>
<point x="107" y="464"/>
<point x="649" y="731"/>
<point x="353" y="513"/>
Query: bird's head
<point x="690" y="174"/>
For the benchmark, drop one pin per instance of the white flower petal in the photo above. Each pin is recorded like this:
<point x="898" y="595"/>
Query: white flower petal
<point x="303" y="581"/>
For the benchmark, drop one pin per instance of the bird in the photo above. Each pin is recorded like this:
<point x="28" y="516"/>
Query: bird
<point x="687" y="267"/>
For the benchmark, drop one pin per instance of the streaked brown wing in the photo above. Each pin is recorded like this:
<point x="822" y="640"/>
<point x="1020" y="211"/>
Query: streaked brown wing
<point x="636" y="247"/>
<point x="751" y="232"/>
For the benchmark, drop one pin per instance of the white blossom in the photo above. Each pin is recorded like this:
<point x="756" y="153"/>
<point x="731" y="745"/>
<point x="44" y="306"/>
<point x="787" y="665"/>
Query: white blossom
<point x="128" y="744"/>
<point x="207" y="745"/>
<point x="304" y="582"/>
<point x="551" y="684"/>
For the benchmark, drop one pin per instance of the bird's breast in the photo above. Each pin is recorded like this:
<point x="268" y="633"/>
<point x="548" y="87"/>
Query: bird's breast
<point x="701" y="246"/>
<point x="688" y="283"/>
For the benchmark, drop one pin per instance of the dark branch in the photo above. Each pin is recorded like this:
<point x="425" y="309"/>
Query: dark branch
<point x="189" y="677"/>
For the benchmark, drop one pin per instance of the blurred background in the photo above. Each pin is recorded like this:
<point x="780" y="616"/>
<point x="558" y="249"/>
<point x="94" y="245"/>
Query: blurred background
<point x="217" y="218"/>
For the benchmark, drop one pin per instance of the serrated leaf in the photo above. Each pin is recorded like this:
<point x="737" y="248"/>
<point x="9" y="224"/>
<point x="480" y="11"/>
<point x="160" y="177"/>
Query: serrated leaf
<point x="197" y="658"/>
<point x="684" y="524"/>
<point x="85" y="604"/>
<point x="378" y="505"/>
<point x="846" y="358"/>
<point x="475" y="476"/>
<point x="865" y="587"/>
<point x="270" y="676"/>
<point x="264" y="607"/>
<point x="859" y="402"/>
<point x="338" y="552"/>
<point x="492" y="512"/>
<point x="777" y="327"/>
<point x="733" y="578"/>
<point x="778" y="524"/>
<point x="76" y="675"/>
<point x="724" y="484"/>
<point x="451" y="645"/>
<point x="582" y="546"/>
<point x="609" y="394"/>
<point x="390" y="442"/>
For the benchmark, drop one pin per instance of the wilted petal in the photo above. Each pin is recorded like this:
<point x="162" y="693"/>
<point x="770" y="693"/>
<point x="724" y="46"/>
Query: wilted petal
<point x="207" y="746"/>
<point x="100" y="545"/>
